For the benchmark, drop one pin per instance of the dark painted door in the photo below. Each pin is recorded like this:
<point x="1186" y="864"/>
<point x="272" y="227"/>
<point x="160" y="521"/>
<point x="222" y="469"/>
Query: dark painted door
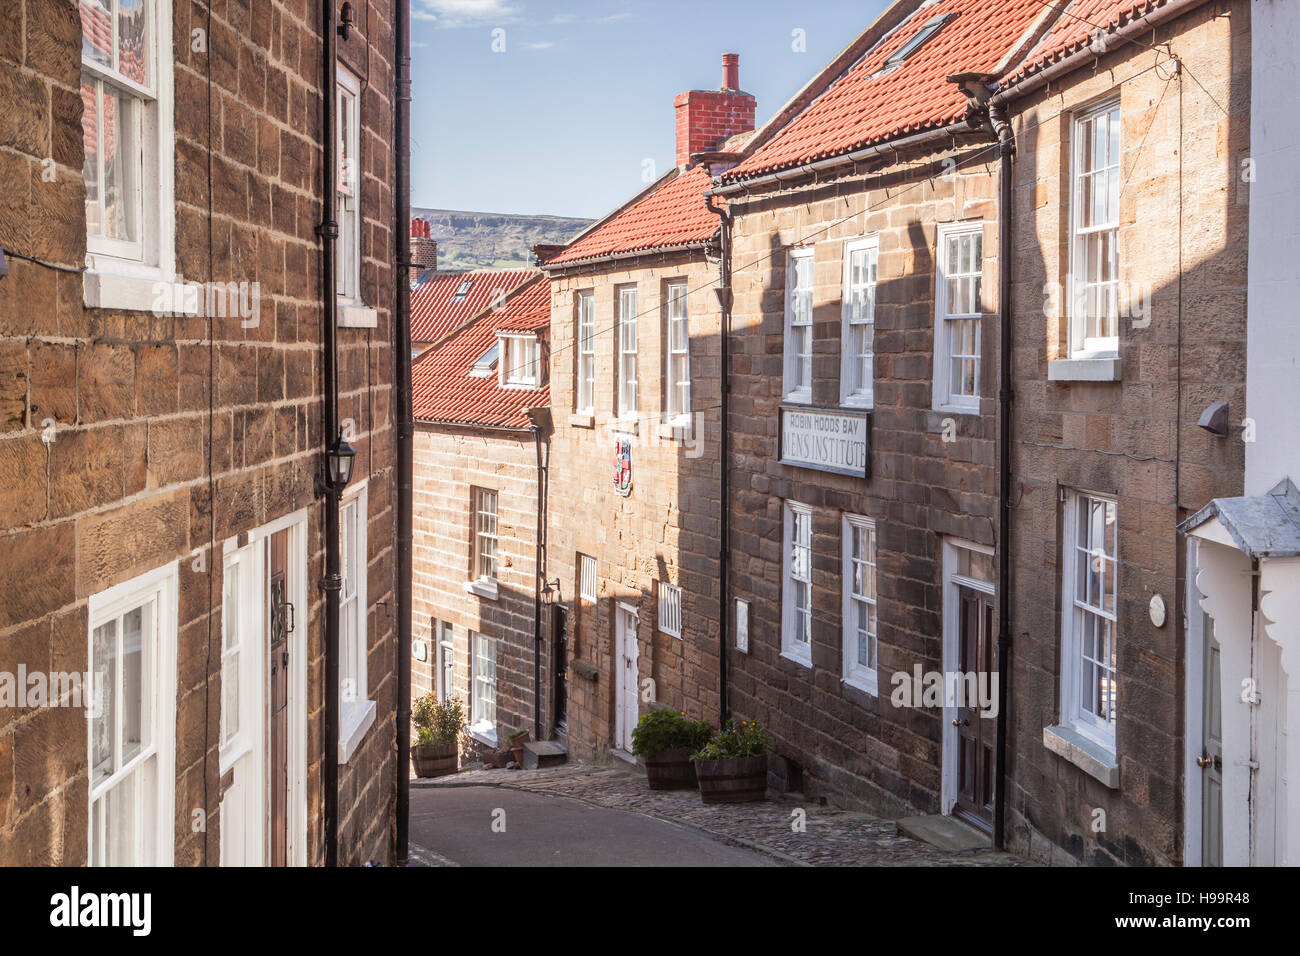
<point x="560" y="624"/>
<point x="279" y="612"/>
<point x="975" y="734"/>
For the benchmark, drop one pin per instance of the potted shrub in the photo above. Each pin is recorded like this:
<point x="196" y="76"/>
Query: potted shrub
<point x="437" y="729"/>
<point x="732" y="766"/>
<point x="666" y="739"/>
<point x="515" y="744"/>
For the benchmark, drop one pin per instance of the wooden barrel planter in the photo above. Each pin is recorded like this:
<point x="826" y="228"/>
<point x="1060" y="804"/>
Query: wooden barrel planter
<point x="670" y="770"/>
<point x="436" y="760"/>
<point x="732" y="780"/>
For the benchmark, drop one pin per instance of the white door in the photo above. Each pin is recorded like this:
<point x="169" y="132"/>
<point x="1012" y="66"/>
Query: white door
<point x="243" y="647"/>
<point x="625" y="677"/>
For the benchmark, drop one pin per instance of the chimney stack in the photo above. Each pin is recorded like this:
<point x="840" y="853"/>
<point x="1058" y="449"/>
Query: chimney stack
<point x="707" y="118"/>
<point x="424" y="249"/>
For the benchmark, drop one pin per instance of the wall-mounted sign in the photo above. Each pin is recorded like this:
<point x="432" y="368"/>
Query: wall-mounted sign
<point x="622" y="466"/>
<point x="825" y="439"/>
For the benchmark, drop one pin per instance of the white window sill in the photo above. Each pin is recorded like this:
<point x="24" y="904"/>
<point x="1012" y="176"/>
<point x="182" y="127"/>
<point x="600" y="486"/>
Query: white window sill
<point x="1090" y="369"/>
<point x="520" y="386"/>
<point x="858" y="404"/>
<point x="354" y="315"/>
<point x="1088" y="755"/>
<point x="868" y="685"/>
<point x="797" y="398"/>
<point x="669" y="634"/>
<point x="675" y="430"/>
<point x="948" y="409"/>
<point x="627" y="423"/>
<point x="582" y="420"/>
<point x="483" y="587"/>
<point x="484" y="734"/>
<point x="802" y="659"/>
<point x="142" y="293"/>
<point x="356" y="721"/>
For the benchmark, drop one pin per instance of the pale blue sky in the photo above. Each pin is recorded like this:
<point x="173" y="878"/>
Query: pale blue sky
<point x="563" y="120"/>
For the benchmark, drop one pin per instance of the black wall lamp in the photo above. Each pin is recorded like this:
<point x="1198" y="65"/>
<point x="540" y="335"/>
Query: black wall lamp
<point x="339" y="460"/>
<point x="347" y="20"/>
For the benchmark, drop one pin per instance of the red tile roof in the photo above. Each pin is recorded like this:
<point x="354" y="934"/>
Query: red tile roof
<point x="441" y="387"/>
<point x="861" y="108"/>
<point x="672" y="215"/>
<point x="1075" y="28"/>
<point x="434" y="314"/>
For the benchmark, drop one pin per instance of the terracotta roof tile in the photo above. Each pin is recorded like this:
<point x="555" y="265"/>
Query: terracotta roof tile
<point x="864" y="106"/>
<point x="672" y="215"/>
<point x="434" y="314"/>
<point x="441" y="387"/>
<point x="1075" y="27"/>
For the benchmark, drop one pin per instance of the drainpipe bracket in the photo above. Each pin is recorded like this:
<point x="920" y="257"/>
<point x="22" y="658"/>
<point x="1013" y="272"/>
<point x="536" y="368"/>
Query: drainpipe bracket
<point x="329" y="229"/>
<point x="330" y="582"/>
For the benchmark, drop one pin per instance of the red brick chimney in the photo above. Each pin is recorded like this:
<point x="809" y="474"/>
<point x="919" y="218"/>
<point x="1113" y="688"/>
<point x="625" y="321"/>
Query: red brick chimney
<point x="424" y="249"/>
<point x="706" y="118"/>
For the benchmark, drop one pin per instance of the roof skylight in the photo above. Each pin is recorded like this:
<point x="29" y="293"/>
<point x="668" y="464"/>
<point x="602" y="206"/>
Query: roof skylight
<point x="487" y="362"/>
<point x="911" y="46"/>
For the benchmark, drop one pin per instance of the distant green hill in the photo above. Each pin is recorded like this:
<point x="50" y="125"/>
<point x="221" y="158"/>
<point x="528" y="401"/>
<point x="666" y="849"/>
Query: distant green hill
<point x="489" y="240"/>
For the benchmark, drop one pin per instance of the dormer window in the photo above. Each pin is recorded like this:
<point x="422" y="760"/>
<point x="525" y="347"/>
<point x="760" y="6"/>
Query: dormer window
<point x="487" y="362"/>
<point x="911" y="46"/>
<point x="523" y="360"/>
<point x="462" y="290"/>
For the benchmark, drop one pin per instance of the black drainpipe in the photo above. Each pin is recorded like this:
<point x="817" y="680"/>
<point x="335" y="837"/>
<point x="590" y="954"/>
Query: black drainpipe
<point x="332" y="582"/>
<point x="724" y="484"/>
<point x="1007" y="143"/>
<point x="539" y="578"/>
<point x="405" y="422"/>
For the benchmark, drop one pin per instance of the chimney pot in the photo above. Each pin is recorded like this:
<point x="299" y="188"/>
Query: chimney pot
<point x="731" y="71"/>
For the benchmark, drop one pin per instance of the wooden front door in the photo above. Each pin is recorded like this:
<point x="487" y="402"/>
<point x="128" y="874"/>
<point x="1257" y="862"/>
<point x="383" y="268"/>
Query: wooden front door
<point x="279" y="614"/>
<point x="625" y="678"/>
<point x="975" y="734"/>
<point x="1211" y="759"/>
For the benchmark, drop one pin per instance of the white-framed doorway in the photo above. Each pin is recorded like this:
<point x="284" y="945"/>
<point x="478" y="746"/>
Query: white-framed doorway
<point x="967" y="574"/>
<point x="259" y="568"/>
<point x="626" y="652"/>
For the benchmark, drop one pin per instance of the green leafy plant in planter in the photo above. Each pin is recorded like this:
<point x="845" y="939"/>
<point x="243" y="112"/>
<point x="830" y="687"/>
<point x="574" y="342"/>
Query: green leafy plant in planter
<point x="437" y="728"/>
<point x="731" y="766"/>
<point x="666" y="739"/>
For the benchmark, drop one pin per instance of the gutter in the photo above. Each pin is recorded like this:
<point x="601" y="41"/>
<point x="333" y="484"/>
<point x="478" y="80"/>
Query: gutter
<point x="724" y="481"/>
<point x="405" y="423"/>
<point x="332" y="582"/>
<point x="562" y="267"/>
<point x="890" y="147"/>
<point x="1085" y="54"/>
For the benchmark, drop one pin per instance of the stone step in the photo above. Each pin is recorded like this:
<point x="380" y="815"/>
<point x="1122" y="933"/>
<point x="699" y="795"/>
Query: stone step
<point x="544" y="753"/>
<point x="947" y="833"/>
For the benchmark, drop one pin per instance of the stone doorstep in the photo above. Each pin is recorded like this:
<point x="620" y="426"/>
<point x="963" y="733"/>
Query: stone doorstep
<point x="945" y="832"/>
<point x="540" y="754"/>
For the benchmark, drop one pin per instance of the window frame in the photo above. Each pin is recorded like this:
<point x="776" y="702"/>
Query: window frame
<point x="120" y="276"/>
<point x="865" y="678"/>
<point x="625" y="359"/>
<point x="444" y="643"/>
<point x="480" y="725"/>
<point x="669" y="616"/>
<point x="585" y="595"/>
<point x="791" y="391"/>
<point x="1072" y="713"/>
<point x="347" y="104"/>
<point x="356" y="716"/>
<point x="478" y="536"/>
<point x="944" y="399"/>
<point x="852" y="393"/>
<point x="584" y="392"/>
<point x="792" y="648"/>
<point x="1079" y="345"/>
<point x="161" y="587"/>
<point x="675" y="293"/>
<point x="508" y="369"/>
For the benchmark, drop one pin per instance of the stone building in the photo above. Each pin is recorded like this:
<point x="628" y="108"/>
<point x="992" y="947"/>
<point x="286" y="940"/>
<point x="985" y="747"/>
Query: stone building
<point x="633" y="523"/>
<point x="161" y="440"/>
<point x="862" y="486"/>
<point x="1129" y="323"/>
<point x="480" y="401"/>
